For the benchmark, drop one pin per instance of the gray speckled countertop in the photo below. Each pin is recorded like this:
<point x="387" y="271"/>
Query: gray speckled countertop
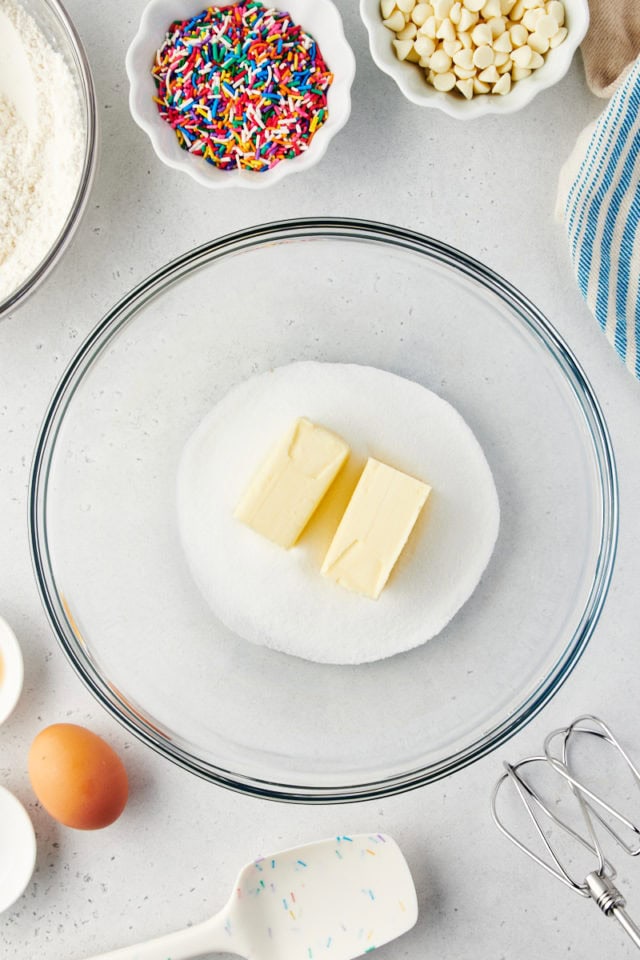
<point x="486" y="186"/>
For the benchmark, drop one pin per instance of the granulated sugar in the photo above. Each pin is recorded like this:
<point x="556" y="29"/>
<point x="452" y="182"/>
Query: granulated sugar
<point x="278" y="597"/>
<point x="41" y="145"/>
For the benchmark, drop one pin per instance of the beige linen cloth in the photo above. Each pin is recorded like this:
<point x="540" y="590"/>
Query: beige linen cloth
<point x="611" y="44"/>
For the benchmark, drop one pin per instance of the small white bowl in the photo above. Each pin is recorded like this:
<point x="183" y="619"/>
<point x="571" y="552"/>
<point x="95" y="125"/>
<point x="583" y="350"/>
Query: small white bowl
<point x="11" y="670"/>
<point x="17" y="849"/>
<point x="413" y="83"/>
<point x="319" y="18"/>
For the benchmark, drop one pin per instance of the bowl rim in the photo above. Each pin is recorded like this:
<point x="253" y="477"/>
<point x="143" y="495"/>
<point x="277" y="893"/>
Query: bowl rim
<point x="127" y="712"/>
<point x="24" y="836"/>
<point x="481" y="106"/>
<point x="88" y="94"/>
<point x="12" y="664"/>
<point x="146" y="116"/>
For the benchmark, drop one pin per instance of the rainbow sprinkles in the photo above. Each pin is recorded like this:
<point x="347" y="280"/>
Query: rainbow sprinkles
<point x="243" y="86"/>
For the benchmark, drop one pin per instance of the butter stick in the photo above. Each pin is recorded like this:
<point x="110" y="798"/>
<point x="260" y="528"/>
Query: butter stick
<point x="290" y="484"/>
<point x="374" y="529"/>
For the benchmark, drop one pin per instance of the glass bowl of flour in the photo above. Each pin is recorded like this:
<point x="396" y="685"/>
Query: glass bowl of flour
<point x="47" y="142"/>
<point x="235" y="658"/>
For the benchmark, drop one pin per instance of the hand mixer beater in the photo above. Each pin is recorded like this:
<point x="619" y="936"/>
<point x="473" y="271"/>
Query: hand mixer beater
<point x="594" y="813"/>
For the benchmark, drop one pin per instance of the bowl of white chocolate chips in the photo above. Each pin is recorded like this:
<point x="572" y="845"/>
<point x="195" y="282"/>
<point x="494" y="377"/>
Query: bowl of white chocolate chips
<point x="473" y="57"/>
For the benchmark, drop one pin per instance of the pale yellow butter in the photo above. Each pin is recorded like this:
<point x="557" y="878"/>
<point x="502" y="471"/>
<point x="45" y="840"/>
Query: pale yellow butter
<point x="374" y="529"/>
<point x="292" y="481"/>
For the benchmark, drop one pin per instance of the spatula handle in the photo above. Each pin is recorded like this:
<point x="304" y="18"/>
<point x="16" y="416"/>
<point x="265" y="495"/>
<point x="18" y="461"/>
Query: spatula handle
<point x="208" y="937"/>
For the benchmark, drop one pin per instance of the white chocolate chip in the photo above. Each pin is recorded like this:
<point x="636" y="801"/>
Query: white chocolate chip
<point x="506" y="66"/>
<point x="386" y="8"/>
<point x="424" y="47"/>
<point x="405" y="5"/>
<point x="503" y="85"/>
<point x="467" y="19"/>
<point x="464" y="58"/>
<point x="497" y="25"/>
<point x="547" y="26"/>
<point x="518" y="35"/>
<point x="403" y="48"/>
<point x="421" y="12"/>
<point x="440" y="62"/>
<point x="491" y="9"/>
<point x="506" y="6"/>
<point x="408" y="33"/>
<point x="556" y="9"/>
<point x="441" y="8"/>
<point x="465" y="40"/>
<point x="481" y="34"/>
<point x="522" y="56"/>
<point x="395" y="22"/>
<point x="538" y="43"/>
<point x="536" y="61"/>
<point x="444" y="81"/>
<point x="483" y="57"/>
<point x="531" y="17"/>
<point x="501" y="58"/>
<point x="490" y="75"/>
<point x="520" y="73"/>
<point x="475" y="6"/>
<point x="446" y="30"/>
<point x="466" y="88"/>
<point x="517" y="11"/>
<point x="455" y="13"/>
<point x="412" y="56"/>
<point x="430" y="27"/>
<point x="502" y="44"/>
<point x="480" y="87"/>
<point x="464" y="74"/>
<point x="558" y="37"/>
<point x="531" y="4"/>
<point x="451" y="47"/>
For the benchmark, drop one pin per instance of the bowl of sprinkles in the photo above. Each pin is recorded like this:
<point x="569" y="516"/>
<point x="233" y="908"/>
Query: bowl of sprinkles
<point x="240" y="93"/>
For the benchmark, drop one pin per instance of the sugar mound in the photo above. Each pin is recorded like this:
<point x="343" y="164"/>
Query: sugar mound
<point x="277" y="597"/>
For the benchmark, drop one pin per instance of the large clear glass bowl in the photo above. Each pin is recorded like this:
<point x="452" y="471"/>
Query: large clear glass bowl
<point x="113" y="577"/>
<point x="57" y="26"/>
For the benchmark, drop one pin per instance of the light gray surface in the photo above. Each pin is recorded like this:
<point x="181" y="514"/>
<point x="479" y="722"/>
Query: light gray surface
<point x="487" y="187"/>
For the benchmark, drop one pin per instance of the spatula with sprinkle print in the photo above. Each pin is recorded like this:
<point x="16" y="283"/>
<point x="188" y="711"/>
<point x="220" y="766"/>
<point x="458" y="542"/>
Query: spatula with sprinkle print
<point x="332" y="900"/>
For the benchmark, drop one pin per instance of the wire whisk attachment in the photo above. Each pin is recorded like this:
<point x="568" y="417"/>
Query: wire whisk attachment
<point x="591" y="811"/>
<point x="590" y="726"/>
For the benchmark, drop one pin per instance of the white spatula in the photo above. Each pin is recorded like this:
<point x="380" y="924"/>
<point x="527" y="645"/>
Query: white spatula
<point x="332" y="900"/>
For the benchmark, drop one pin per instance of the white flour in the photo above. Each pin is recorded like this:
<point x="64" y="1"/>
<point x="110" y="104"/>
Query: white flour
<point x="41" y="145"/>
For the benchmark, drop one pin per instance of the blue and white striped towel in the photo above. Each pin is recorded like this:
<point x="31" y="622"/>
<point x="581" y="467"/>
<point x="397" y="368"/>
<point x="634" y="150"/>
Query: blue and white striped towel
<point x="599" y="202"/>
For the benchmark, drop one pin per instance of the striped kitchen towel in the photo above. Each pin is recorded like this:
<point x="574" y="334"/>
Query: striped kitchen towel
<point x="599" y="202"/>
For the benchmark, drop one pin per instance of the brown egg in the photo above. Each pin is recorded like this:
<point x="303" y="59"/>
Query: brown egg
<point x="77" y="777"/>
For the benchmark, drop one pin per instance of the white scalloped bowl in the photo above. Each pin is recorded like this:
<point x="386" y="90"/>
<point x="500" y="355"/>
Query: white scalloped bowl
<point x="11" y="671"/>
<point x="320" y="18"/>
<point x="412" y="82"/>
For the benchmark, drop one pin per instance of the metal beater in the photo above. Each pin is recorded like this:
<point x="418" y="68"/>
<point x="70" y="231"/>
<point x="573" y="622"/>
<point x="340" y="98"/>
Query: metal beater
<point x="596" y="813"/>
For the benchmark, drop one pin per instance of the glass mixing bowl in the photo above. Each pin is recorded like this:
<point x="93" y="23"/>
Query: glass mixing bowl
<point x="57" y="27"/>
<point x="103" y="510"/>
